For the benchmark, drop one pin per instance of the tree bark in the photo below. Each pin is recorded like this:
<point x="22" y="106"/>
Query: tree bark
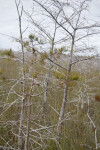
<point x="65" y="97"/>
<point x="46" y="91"/>
<point x="28" y="119"/>
<point x="20" y="135"/>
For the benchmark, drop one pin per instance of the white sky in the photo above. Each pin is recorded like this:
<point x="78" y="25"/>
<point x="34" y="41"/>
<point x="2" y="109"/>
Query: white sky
<point x="9" y="22"/>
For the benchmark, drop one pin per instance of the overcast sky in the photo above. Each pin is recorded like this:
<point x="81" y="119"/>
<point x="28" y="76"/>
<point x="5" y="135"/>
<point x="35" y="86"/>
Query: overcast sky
<point x="9" y="22"/>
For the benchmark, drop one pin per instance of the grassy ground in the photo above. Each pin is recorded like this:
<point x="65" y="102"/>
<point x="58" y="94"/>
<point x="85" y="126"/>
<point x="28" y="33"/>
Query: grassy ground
<point x="77" y="132"/>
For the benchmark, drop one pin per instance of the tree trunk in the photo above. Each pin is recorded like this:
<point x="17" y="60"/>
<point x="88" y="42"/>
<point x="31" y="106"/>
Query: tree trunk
<point x="61" y="116"/>
<point x="62" y="112"/>
<point x="28" y="119"/>
<point x="46" y="91"/>
<point x="20" y="135"/>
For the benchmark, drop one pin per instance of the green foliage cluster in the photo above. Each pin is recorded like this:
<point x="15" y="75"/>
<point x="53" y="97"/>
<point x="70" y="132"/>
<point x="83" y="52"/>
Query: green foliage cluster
<point x="34" y="38"/>
<point x="26" y="43"/>
<point x="43" y="56"/>
<point x="62" y="75"/>
<point x="8" y="53"/>
<point x="59" y="75"/>
<point x="62" y="49"/>
<point x="74" y="76"/>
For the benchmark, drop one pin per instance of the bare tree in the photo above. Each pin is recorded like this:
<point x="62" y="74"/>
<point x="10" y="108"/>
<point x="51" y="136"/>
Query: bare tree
<point x="28" y="118"/>
<point x="52" y="42"/>
<point x="72" y="24"/>
<point x="20" y="12"/>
